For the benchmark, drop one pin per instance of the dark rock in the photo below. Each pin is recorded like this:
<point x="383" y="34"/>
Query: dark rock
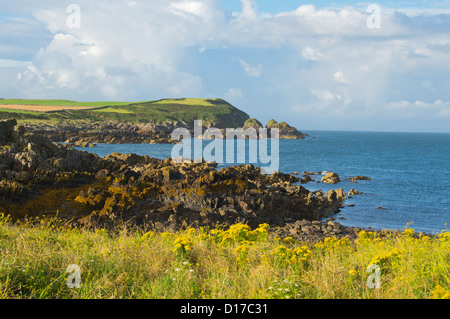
<point x="358" y="178"/>
<point x="6" y="130"/>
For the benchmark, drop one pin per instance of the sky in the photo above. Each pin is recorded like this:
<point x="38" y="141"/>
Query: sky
<point x="319" y="65"/>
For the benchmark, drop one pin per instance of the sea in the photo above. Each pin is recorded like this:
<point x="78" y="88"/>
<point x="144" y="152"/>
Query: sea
<point x="410" y="173"/>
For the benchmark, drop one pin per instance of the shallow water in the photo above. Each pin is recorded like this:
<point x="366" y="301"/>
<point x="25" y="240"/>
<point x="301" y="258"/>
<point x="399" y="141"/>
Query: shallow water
<point x="410" y="173"/>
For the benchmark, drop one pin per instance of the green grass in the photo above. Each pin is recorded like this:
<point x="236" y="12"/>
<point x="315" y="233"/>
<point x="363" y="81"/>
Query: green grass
<point x="215" y="112"/>
<point x="59" y="102"/>
<point x="17" y="111"/>
<point x="199" y="263"/>
<point x="113" y="110"/>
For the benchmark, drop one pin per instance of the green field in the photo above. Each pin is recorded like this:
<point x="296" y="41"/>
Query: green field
<point x="212" y="111"/>
<point x="59" y="102"/>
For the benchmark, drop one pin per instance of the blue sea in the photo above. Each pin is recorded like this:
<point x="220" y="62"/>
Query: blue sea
<point x="410" y="173"/>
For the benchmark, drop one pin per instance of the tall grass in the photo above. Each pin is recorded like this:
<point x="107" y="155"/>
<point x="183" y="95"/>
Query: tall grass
<point x="200" y="263"/>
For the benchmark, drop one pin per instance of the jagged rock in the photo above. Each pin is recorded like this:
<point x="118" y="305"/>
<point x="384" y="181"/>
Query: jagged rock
<point x="330" y="178"/>
<point x="353" y="192"/>
<point x="86" y="134"/>
<point x="358" y="178"/>
<point x="338" y="195"/>
<point x="285" y="130"/>
<point x="82" y="144"/>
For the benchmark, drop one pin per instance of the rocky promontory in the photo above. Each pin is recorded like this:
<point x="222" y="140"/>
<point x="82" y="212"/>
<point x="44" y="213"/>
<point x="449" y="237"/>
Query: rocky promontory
<point x="39" y="177"/>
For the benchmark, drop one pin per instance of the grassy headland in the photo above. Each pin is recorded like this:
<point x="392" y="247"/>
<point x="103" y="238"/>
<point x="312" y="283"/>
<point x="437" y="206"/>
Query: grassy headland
<point x="215" y="112"/>
<point x="125" y="122"/>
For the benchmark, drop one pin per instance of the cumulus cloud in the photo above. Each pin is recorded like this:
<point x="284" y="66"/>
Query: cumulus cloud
<point x="123" y="49"/>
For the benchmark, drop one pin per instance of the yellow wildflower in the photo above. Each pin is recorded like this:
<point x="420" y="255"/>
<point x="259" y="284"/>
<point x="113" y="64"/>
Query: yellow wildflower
<point x="408" y="232"/>
<point x="444" y="236"/>
<point x="440" y="292"/>
<point x="182" y="244"/>
<point x="147" y="235"/>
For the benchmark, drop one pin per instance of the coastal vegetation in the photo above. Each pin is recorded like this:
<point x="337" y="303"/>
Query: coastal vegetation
<point x="215" y="112"/>
<point x="234" y="262"/>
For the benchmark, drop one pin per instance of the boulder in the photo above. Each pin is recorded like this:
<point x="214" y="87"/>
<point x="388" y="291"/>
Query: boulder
<point x="336" y="195"/>
<point x="82" y="144"/>
<point x="353" y="192"/>
<point x="331" y="178"/>
<point x="6" y="130"/>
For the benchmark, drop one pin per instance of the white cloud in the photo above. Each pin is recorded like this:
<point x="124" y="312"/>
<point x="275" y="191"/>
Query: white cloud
<point x="249" y="11"/>
<point x="310" y="54"/>
<point x="191" y="7"/>
<point x="340" y="77"/>
<point x="326" y="95"/>
<point x="404" y="105"/>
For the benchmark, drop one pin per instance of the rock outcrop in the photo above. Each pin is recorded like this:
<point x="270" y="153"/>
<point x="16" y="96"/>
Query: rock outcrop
<point x="40" y="177"/>
<point x="6" y="130"/>
<point x="84" y="134"/>
<point x="353" y="192"/>
<point x="331" y="178"/>
<point x="285" y="130"/>
<point x="358" y="178"/>
<point x="252" y="123"/>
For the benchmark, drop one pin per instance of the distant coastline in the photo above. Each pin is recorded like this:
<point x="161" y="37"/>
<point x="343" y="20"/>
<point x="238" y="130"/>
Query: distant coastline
<point x="150" y="122"/>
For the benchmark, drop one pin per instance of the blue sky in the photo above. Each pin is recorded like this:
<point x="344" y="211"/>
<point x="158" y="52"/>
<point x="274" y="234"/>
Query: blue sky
<point x="316" y="65"/>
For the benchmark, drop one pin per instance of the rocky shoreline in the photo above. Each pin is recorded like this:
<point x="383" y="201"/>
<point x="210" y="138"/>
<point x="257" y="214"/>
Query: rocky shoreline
<point x="85" y="134"/>
<point x="39" y="177"/>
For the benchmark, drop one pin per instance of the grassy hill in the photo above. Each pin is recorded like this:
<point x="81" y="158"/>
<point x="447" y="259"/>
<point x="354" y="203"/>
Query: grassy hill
<point x="214" y="112"/>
